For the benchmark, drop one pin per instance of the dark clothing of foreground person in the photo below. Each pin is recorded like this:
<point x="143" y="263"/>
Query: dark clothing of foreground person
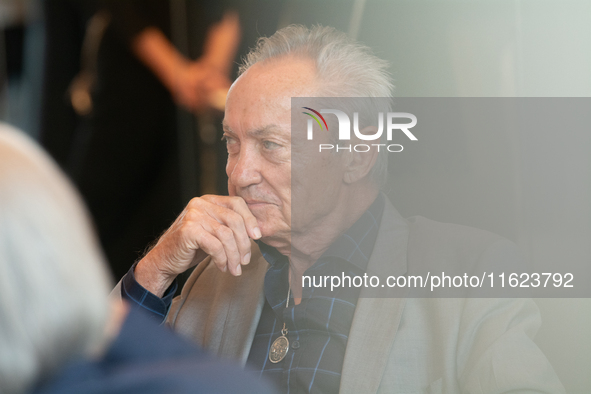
<point x="147" y="358"/>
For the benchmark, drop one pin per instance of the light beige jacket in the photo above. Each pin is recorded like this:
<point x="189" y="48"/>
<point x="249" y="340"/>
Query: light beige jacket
<point x="396" y="345"/>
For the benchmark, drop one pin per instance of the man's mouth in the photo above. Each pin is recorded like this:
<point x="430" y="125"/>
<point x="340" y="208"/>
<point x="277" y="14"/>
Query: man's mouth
<point x="256" y="203"/>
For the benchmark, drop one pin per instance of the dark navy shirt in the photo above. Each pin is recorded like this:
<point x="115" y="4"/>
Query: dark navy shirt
<point x="318" y="328"/>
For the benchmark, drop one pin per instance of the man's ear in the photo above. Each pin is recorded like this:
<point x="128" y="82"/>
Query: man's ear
<point x="358" y="162"/>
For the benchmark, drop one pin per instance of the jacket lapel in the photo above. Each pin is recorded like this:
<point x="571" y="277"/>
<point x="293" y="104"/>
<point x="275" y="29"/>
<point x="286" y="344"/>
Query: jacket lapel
<point x="244" y="312"/>
<point x="376" y="320"/>
<point x="221" y="312"/>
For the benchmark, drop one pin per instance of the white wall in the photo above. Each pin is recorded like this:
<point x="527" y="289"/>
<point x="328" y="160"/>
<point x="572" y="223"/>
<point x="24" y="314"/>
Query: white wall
<point x="538" y="186"/>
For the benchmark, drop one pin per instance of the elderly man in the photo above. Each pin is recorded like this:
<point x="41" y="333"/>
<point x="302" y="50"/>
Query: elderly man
<point x="238" y="302"/>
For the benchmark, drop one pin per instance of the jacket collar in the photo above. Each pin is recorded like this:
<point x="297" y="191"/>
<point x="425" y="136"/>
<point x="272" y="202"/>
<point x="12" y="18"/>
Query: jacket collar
<point x="376" y="319"/>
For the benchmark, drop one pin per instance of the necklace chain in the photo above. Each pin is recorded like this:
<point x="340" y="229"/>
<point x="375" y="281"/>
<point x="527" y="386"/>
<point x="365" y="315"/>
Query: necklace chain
<point x="284" y="330"/>
<point x="288" y="294"/>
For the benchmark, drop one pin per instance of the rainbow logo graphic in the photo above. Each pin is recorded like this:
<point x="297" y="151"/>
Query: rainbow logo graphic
<point x="315" y="118"/>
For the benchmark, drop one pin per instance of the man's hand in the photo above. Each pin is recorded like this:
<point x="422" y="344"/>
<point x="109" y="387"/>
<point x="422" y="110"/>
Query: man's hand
<point x="216" y="226"/>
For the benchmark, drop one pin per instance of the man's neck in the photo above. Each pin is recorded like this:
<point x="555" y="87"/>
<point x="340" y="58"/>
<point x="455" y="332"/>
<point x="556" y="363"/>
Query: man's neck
<point x="307" y="246"/>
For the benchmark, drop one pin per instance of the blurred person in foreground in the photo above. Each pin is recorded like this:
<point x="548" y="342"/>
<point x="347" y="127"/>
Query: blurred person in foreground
<point x="246" y="300"/>
<point x="59" y="331"/>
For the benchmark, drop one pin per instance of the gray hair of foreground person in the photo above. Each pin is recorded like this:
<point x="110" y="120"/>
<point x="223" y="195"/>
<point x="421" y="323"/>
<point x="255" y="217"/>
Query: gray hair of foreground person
<point x="345" y="67"/>
<point x="54" y="286"/>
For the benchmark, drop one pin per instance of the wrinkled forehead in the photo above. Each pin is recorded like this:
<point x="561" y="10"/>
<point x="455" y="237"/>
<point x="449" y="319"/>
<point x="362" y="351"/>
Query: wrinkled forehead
<point x="260" y="118"/>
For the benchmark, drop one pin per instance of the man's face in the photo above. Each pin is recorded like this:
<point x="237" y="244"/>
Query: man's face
<point x="257" y="130"/>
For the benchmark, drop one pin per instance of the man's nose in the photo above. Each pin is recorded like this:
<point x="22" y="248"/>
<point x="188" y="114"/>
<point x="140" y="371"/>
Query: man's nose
<point x="245" y="169"/>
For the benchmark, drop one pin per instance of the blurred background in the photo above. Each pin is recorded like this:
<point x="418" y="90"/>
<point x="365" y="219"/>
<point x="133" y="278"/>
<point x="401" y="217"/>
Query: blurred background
<point x="92" y="81"/>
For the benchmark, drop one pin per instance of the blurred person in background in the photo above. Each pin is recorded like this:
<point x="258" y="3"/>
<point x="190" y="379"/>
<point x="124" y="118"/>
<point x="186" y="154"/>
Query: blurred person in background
<point x="59" y="331"/>
<point x="113" y="125"/>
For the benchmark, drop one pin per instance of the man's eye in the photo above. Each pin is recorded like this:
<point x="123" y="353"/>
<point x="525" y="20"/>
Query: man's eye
<point x="231" y="144"/>
<point x="270" y="145"/>
<point x="229" y="140"/>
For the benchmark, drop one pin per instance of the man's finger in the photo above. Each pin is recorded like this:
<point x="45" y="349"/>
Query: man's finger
<point x="213" y="247"/>
<point x="238" y="205"/>
<point x="226" y="236"/>
<point x="235" y="221"/>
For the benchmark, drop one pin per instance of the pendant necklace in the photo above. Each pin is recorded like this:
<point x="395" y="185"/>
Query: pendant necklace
<point x="280" y="347"/>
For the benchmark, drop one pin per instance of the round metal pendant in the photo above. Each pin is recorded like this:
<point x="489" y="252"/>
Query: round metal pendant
<point x="279" y="349"/>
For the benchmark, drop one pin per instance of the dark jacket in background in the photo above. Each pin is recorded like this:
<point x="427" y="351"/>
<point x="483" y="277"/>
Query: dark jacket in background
<point x="123" y="156"/>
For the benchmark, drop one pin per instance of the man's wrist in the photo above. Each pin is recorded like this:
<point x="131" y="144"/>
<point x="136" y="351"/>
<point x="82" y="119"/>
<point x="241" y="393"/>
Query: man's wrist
<point x="141" y="297"/>
<point x="150" y="277"/>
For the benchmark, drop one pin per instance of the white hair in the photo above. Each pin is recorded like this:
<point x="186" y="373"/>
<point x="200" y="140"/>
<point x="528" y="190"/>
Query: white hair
<point x="54" y="286"/>
<point x="345" y="67"/>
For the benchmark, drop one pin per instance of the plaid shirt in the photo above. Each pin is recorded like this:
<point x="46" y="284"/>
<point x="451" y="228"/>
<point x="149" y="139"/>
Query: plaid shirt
<point x="318" y="328"/>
